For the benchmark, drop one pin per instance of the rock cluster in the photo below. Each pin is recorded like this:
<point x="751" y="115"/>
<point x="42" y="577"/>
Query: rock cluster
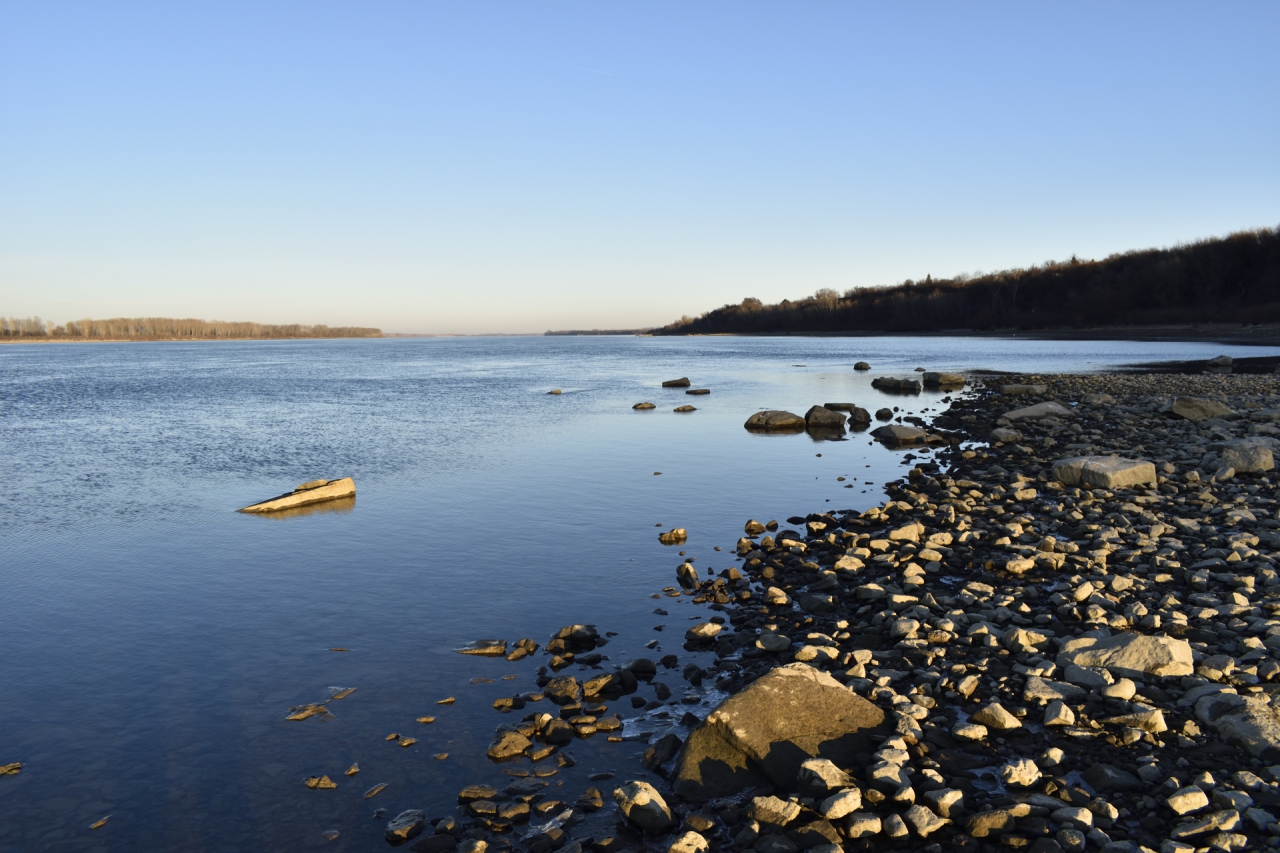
<point x="1061" y="634"/>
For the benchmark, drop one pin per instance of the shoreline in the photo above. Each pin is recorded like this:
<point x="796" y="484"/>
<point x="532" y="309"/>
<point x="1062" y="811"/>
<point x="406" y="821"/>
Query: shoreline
<point x="1224" y="333"/>
<point x="1054" y="666"/>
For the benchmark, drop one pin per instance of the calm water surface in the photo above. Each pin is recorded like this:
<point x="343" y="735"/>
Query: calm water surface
<point x="152" y="640"/>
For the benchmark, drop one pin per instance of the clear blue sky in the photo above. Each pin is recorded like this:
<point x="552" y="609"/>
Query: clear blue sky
<point x="506" y="167"/>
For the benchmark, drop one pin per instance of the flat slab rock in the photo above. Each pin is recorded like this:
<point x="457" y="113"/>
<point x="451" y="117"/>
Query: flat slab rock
<point x="315" y="491"/>
<point x="899" y="434"/>
<point x="766" y="731"/>
<point x="1197" y="409"/>
<point x="1039" y="410"/>
<point x="1130" y="655"/>
<point x="1104" y="472"/>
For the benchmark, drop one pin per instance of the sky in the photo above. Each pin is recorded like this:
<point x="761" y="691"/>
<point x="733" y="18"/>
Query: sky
<point x="484" y="167"/>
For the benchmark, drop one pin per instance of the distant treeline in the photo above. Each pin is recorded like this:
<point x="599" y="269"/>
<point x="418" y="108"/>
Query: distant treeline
<point x="1222" y="280"/>
<point x="600" y="332"/>
<point x="167" y="329"/>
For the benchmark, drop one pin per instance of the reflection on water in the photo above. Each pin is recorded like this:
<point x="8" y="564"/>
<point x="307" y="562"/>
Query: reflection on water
<point x="154" y="641"/>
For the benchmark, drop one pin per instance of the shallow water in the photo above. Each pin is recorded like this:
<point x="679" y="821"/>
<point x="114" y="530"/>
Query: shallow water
<point x="153" y="640"/>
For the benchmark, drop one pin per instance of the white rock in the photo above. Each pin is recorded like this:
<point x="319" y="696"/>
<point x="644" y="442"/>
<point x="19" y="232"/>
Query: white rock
<point x="841" y="804"/>
<point x="1022" y="771"/>
<point x="1187" y="800"/>
<point x="1059" y="714"/>
<point x="862" y="825"/>
<point x="923" y="820"/>
<point x="996" y="717"/>
<point x="945" y="800"/>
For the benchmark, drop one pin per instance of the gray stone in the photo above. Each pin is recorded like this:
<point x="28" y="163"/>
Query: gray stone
<point x="996" y="717"/>
<point x="773" y="811"/>
<point x="934" y="379"/>
<point x="1049" y="409"/>
<point x="1107" y="777"/>
<point x="1187" y="800"/>
<point x="841" y="804"/>
<point x="1130" y="654"/>
<point x="1020" y="390"/>
<point x="819" y="777"/>
<point x="1253" y="725"/>
<point x="775" y="420"/>
<point x="405" y="825"/>
<point x="924" y="821"/>
<point x="1104" y="472"/>
<point x="862" y="825"/>
<point x="1197" y="409"/>
<point x="644" y="807"/>
<point x="1004" y="435"/>
<point x="820" y="417"/>
<point x="768" y="729"/>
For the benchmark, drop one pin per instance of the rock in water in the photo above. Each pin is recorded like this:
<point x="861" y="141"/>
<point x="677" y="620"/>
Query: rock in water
<point x="942" y="381"/>
<point x="484" y="648"/>
<point x="1130" y="655"/>
<point x="896" y="386"/>
<point x="1104" y="472"/>
<point x="507" y="744"/>
<point x="644" y="406"/>
<point x="862" y="365"/>
<point x="775" y="420"/>
<point x="406" y="825"/>
<point x="674" y="536"/>
<point x="766" y="731"/>
<point x="684" y="409"/>
<point x="820" y="417"/>
<point x="314" y="491"/>
<point x="641" y="803"/>
<point x="682" y="382"/>
<point x="897" y="435"/>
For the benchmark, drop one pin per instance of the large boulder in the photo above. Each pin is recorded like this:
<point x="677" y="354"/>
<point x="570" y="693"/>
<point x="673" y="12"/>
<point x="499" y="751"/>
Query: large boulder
<point x="682" y="382"/>
<point x="1253" y="455"/>
<point x="1019" y="390"/>
<point x="775" y="420"/>
<point x="1050" y="409"/>
<point x="1248" y="722"/>
<point x="820" y="417"/>
<point x="768" y="730"/>
<point x="897" y="435"/>
<point x="1197" y="409"/>
<point x="1130" y="655"/>
<point x="1104" y="472"/>
<point x="942" y="381"/>
<point x="861" y="365"/>
<point x="896" y="386"/>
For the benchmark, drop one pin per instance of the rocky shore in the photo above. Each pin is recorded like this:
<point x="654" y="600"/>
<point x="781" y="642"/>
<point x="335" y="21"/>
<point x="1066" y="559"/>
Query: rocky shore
<point x="1061" y="633"/>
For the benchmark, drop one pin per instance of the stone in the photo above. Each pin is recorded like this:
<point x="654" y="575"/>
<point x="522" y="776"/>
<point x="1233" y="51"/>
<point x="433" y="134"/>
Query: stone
<point x="1187" y="800"/>
<point x="1098" y="400"/>
<point x="1196" y="409"/>
<point x="773" y="811"/>
<point x="861" y="365"/>
<point x="312" y="492"/>
<point x="775" y="420"/>
<point x="897" y="435"/>
<point x="995" y="716"/>
<point x="841" y="804"/>
<point x="942" y="381"/>
<point x="1104" y="472"/>
<point x="507" y="744"/>
<point x="408" y="824"/>
<point x="776" y="597"/>
<point x="923" y="820"/>
<point x="753" y="527"/>
<point x="862" y="825"/>
<point x="563" y="690"/>
<point x="884" y="414"/>
<point x="895" y="826"/>
<point x="818" y="777"/>
<point x="1038" y="411"/>
<point x="773" y="843"/>
<point x="1246" y="456"/>
<point x="1043" y="690"/>
<point x="896" y="386"/>
<point x="991" y="821"/>
<point x="484" y="648"/>
<point x="1059" y="714"/>
<point x="1106" y="777"/>
<point x="945" y="801"/>
<point x="1252" y="724"/>
<point x="969" y="731"/>
<point x="820" y="417"/>
<point x="682" y="382"/>
<point x="1129" y="654"/>
<point x="643" y="806"/>
<point x="644" y="406"/>
<point x="1124" y="689"/>
<point x="703" y="632"/>
<point x="684" y="408"/>
<point x="769" y="728"/>
<point x="1073" y="816"/>
<point x="1019" y="390"/>
<point x="1022" y="771"/>
<point x="689" y="842"/>
<point x="1005" y="435"/>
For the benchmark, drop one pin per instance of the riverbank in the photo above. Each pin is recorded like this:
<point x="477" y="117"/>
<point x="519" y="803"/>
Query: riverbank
<point x="1055" y="665"/>
<point x="1262" y="334"/>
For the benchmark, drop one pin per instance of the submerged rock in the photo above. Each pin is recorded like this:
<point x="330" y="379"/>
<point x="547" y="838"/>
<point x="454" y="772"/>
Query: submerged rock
<point x="314" y="491"/>
<point x="484" y="648"/>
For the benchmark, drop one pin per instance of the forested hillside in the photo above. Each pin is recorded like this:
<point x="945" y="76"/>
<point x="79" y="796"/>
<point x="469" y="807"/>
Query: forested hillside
<point x="166" y="329"/>
<point x="1230" y="279"/>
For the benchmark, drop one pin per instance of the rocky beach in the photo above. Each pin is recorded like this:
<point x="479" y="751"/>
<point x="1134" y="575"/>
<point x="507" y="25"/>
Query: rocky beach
<point x="1058" y="633"/>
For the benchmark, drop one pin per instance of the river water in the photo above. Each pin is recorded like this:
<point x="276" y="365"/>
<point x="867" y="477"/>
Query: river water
<point x="152" y="640"/>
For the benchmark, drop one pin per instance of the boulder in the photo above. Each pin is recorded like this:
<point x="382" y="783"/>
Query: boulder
<point x="507" y="744"/>
<point x="1219" y="361"/>
<point x="1021" y="390"/>
<point x="862" y="365"/>
<point x="770" y="728"/>
<point x="840" y="407"/>
<point x="484" y="648"/>
<point x="1104" y="472"/>
<point x="641" y="804"/>
<point x="859" y="416"/>
<point x="644" y="406"/>
<point x="775" y="420"/>
<point x="1246" y="455"/>
<point x="884" y="414"/>
<point x="698" y="391"/>
<point x="896" y="386"/>
<point x="1129" y="654"/>
<point x="1252" y="724"/>
<point x="820" y="777"/>
<point x="405" y="825"/>
<point x="311" y="492"/>
<point x="684" y="409"/>
<point x="682" y="382"/>
<point x="942" y="381"/>
<point x="1049" y="409"/>
<point x="820" y="417"/>
<point x="1004" y="435"/>
<point x="898" y="435"/>
<point x="1197" y="409"/>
